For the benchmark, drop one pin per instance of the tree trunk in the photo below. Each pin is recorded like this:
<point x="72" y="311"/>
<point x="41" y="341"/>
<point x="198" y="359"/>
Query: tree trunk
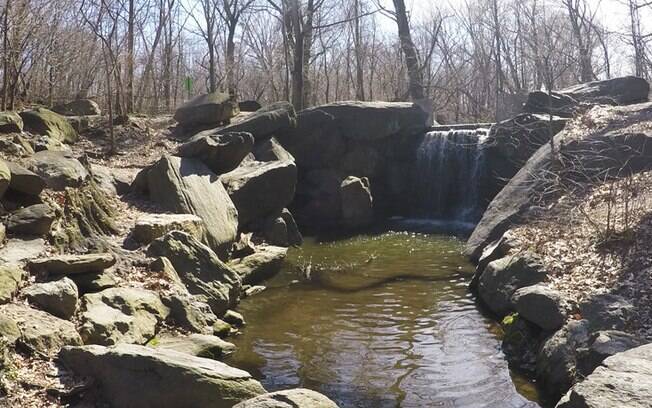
<point x="415" y="80"/>
<point x="130" y="59"/>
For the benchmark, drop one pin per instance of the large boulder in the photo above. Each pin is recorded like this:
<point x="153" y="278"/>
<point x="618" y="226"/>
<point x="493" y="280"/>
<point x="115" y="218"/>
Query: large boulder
<point x="200" y="269"/>
<point x="133" y="376"/>
<point x="39" y="330"/>
<point x="152" y="226"/>
<point x="5" y="177"/>
<point x="58" y="169"/>
<point x="357" y="203"/>
<point x="57" y="297"/>
<point x="34" y="220"/>
<point x="25" y="181"/>
<point x="503" y="277"/>
<point x="121" y="315"/>
<point x="205" y="110"/>
<point x="221" y="152"/>
<point x="541" y="305"/>
<point x="624" y="380"/>
<point x="10" y="122"/>
<point x="271" y="120"/>
<point x="72" y="264"/>
<point x="620" y="143"/>
<point x="617" y="91"/>
<point x="259" y="189"/>
<point x="44" y="122"/>
<point x="556" y="365"/>
<point x="187" y="186"/>
<point x="295" y="398"/>
<point x="10" y="278"/>
<point x="79" y="107"/>
<point x="263" y="264"/>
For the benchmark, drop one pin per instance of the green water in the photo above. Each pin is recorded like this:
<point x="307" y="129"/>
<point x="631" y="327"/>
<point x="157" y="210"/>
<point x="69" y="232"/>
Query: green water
<point x="378" y="321"/>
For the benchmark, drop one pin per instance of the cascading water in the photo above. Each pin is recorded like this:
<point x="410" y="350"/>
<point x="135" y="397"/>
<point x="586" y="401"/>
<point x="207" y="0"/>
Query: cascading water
<point x="450" y="173"/>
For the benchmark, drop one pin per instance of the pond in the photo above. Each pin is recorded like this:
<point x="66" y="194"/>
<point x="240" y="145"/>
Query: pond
<point x="379" y="320"/>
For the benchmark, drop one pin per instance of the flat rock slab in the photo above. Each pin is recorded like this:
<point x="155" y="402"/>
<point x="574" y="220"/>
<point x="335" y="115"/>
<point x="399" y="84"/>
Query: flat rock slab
<point x="72" y="264"/>
<point x="121" y="315"/>
<point x="296" y="398"/>
<point x="263" y="264"/>
<point x="17" y="251"/>
<point x="133" y="376"/>
<point x="199" y="345"/>
<point x="152" y="226"/>
<point x="623" y="380"/>
<point x="40" y="330"/>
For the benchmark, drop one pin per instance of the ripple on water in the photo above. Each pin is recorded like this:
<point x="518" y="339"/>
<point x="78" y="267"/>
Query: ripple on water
<point x="411" y="338"/>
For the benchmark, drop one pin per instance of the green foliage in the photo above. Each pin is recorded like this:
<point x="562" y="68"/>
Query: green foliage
<point x="510" y="319"/>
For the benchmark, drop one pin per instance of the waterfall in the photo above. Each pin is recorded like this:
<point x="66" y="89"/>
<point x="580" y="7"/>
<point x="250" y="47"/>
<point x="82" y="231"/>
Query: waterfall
<point x="450" y="175"/>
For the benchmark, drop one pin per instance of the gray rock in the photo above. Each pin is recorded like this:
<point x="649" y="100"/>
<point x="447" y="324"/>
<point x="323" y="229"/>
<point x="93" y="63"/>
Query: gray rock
<point x="153" y="226"/>
<point x="187" y="186"/>
<point x="206" y="109"/>
<point x="121" y="315"/>
<point x="200" y="269"/>
<point x="234" y="318"/>
<point x="271" y="120"/>
<point x="58" y="169"/>
<point x="25" y="181"/>
<point x="199" y="345"/>
<point x="10" y="122"/>
<point x="249" y="106"/>
<point x="624" y="380"/>
<point x="41" y="331"/>
<point x="18" y="251"/>
<point x="58" y="298"/>
<point x="503" y="277"/>
<point x="557" y="361"/>
<point x="259" y="189"/>
<point x="607" y="312"/>
<point x="164" y="267"/>
<point x="10" y="278"/>
<point x="295" y="398"/>
<point x="106" y="180"/>
<point x="357" y="203"/>
<point x="601" y="152"/>
<point x="605" y="344"/>
<point x="91" y="282"/>
<point x="72" y="264"/>
<point x="190" y="312"/>
<point x="496" y="250"/>
<point x="220" y="152"/>
<point x="79" y="107"/>
<point x="541" y="305"/>
<point x="282" y="230"/>
<point x="133" y="376"/>
<point x="44" y="122"/>
<point x="271" y="150"/>
<point x="222" y="329"/>
<point x="5" y="177"/>
<point x="261" y="265"/>
<point x="34" y="220"/>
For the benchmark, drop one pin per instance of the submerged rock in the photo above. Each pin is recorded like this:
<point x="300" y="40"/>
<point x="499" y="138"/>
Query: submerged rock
<point x="57" y="297"/>
<point x="295" y="398"/>
<point x="121" y="315"/>
<point x="139" y="376"/>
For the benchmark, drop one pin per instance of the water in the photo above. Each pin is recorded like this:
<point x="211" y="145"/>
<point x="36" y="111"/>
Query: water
<point x="450" y="175"/>
<point x="385" y="320"/>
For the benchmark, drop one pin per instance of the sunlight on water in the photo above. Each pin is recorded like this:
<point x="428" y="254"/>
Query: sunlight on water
<point x="384" y="321"/>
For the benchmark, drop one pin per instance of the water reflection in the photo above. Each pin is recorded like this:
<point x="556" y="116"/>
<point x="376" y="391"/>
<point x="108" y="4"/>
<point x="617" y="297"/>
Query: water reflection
<point x="384" y="321"/>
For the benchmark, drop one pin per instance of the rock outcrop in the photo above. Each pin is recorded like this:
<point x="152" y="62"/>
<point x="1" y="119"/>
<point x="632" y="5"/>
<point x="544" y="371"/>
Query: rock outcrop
<point x="206" y="110"/>
<point x="139" y="376"/>
<point x="187" y="186"/>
